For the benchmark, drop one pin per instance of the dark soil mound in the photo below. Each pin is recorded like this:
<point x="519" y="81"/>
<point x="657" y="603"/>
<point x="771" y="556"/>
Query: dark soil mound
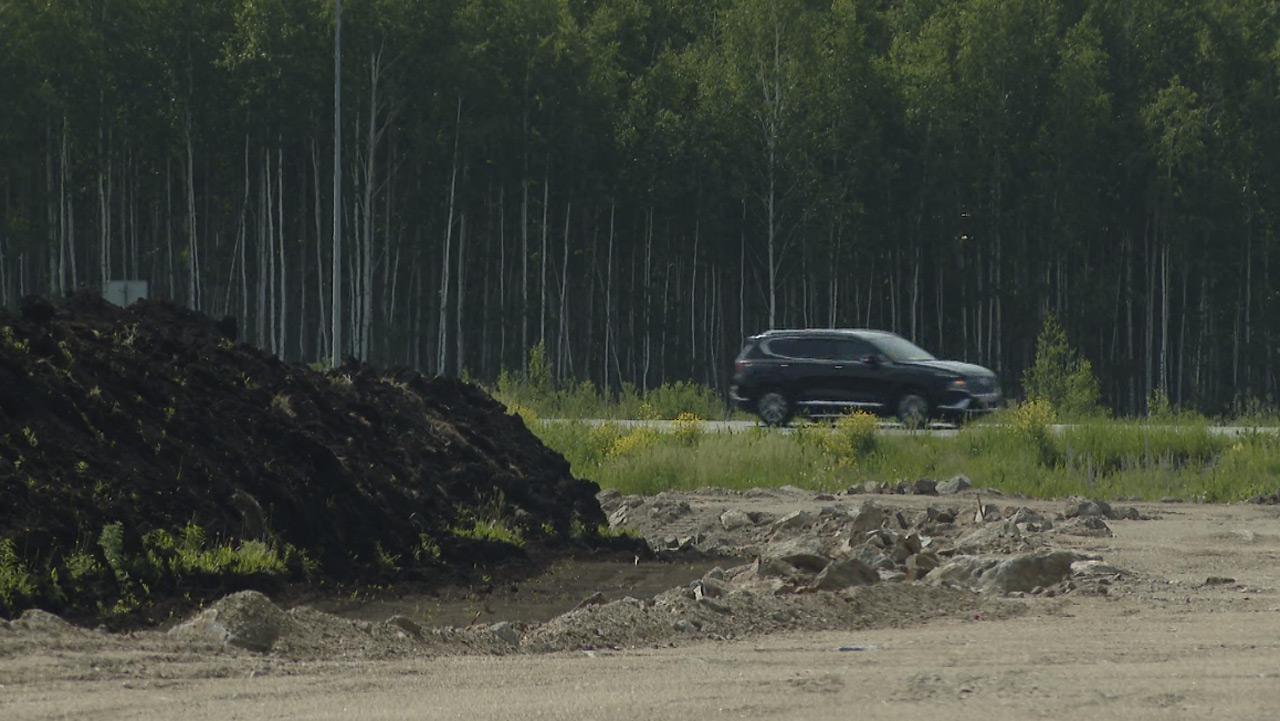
<point x="136" y="445"/>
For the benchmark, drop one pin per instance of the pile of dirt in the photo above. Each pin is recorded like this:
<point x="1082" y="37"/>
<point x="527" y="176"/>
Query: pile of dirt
<point x="130" y="437"/>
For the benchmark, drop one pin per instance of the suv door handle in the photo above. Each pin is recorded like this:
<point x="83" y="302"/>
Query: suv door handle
<point x="784" y="365"/>
<point x="839" y="367"/>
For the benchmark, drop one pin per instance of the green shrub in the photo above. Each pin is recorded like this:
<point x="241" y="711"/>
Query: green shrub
<point x="853" y="437"/>
<point x="488" y="521"/>
<point x="688" y="429"/>
<point x="638" y="439"/>
<point x="16" y="584"/>
<point x="1060" y="376"/>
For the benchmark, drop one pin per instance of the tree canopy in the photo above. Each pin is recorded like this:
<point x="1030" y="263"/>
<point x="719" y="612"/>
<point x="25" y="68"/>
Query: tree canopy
<point x="636" y="185"/>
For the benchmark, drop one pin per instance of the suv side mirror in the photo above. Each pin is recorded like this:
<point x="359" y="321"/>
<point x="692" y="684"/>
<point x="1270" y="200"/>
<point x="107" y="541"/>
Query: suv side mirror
<point x="870" y="359"/>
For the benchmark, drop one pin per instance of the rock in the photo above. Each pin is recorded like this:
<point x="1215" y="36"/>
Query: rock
<point x="880" y="539"/>
<point x="595" y="599"/>
<point x="1091" y="526"/>
<point x="619" y="516"/>
<point x="925" y="487"/>
<point x="765" y="567"/>
<point x="845" y="573"/>
<point x="708" y="603"/>
<point x="1017" y="573"/>
<point x="940" y="515"/>
<point x="874" y="487"/>
<point x="684" y="626"/>
<point x="866" y="517"/>
<point x="795" y="520"/>
<point x="891" y="576"/>
<point x="1026" y="515"/>
<point x="804" y="554"/>
<point x="1219" y="581"/>
<point x="733" y="519"/>
<point x="506" y="633"/>
<point x="246" y="619"/>
<point x="989" y="512"/>
<point x="666" y="511"/>
<point x="870" y="557"/>
<point x="1078" y="507"/>
<point x="609" y="499"/>
<point x="1001" y="535"/>
<point x="912" y="542"/>
<point x="1028" y="521"/>
<point x="824" y="497"/>
<point x="1127" y="513"/>
<point x="919" y="565"/>
<point x="957" y="484"/>
<point x="1095" y="568"/>
<point x="709" y="588"/>
<point x="34" y="619"/>
<point x="405" y="624"/>
<point x="1025" y="572"/>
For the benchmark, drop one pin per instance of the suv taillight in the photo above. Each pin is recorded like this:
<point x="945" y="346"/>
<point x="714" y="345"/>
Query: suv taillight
<point x="739" y="366"/>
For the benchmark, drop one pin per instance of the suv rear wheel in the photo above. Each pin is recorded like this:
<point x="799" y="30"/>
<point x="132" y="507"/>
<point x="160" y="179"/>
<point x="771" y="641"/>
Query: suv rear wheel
<point x="774" y="408"/>
<point x="913" y="410"/>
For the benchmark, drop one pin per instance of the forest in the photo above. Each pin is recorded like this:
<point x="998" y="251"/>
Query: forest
<point x="636" y="185"/>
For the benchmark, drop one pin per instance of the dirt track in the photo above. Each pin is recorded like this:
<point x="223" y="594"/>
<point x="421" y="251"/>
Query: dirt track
<point x="1162" y="644"/>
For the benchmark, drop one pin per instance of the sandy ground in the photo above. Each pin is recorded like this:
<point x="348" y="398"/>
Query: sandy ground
<point x="1164" y="645"/>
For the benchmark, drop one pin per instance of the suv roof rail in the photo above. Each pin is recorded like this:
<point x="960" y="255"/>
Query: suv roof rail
<point x="800" y="331"/>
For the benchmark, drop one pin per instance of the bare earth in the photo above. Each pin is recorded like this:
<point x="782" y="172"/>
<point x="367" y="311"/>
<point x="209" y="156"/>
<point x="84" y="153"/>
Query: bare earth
<point x="1155" y="642"/>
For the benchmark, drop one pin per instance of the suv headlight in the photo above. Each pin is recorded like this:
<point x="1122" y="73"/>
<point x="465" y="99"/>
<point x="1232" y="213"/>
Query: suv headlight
<point x="959" y="383"/>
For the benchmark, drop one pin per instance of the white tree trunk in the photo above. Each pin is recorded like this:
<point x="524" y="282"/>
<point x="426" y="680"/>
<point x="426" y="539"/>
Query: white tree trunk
<point x="193" y="282"/>
<point x="441" y="345"/>
<point x="457" y="331"/>
<point x="335" y="358"/>
<point x="542" y="262"/>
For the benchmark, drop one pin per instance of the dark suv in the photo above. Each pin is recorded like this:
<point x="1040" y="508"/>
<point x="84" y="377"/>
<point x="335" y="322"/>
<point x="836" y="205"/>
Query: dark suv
<point x="827" y="372"/>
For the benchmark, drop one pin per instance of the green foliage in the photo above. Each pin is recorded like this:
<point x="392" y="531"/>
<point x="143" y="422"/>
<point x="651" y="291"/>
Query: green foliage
<point x="637" y="440"/>
<point x="488" y="521"/>
<point x="426" y="551"/>
<point x="688" y="429"/>
<point x="540" y="378"/>
<point x="193" y="553"/>
<point x="16" y="584"/>
<point x="542" y="397"/>
<point x="1020" y="452"/>
<point x="853" y="438"/>
<point x="1060" y="377"/>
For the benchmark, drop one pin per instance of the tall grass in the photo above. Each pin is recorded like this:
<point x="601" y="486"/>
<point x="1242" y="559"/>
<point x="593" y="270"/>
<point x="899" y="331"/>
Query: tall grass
<point x="1102" y="458"/>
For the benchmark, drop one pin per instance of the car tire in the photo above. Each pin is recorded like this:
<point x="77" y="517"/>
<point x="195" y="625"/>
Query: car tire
<point x="913" y="410"/>
<point x="774" y="409"/>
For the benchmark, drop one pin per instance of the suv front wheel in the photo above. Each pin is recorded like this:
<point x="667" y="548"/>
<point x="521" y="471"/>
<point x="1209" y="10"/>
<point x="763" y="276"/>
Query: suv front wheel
<point x="774" y="409"/>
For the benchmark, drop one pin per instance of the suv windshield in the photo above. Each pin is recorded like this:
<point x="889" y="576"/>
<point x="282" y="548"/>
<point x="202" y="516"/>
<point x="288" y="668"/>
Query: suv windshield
<point x="901" y="350"/>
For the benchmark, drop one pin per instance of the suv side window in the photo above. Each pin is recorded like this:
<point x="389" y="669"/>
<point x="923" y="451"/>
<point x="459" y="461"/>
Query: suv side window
<point x="852" y="349"/>
<point x="803" y="348"/>
<point x="781" y="347"/>
<point x="816" y="348"/>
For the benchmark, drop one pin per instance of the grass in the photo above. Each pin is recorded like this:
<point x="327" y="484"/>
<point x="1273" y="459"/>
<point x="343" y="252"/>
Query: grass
<point x="1148" y="460"/>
